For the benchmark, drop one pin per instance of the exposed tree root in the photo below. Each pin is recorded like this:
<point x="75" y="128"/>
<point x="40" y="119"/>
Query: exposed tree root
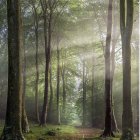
<point x="11" y="136"/>
<point x="107" y="134"/>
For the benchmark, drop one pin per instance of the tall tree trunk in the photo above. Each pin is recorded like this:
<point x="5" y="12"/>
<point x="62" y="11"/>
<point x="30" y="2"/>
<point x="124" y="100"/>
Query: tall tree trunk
<point x="84" y="94"/>
<point x="47" y="38"/>
<point x="50" y="109"/>
<point x="36" y="26"/>
<point x="108" y="115"/>
<point x="12" y="128"/>
<point x="36" y="62"/>
<point x="93" y="95"/>
<point x="114" y="123"/>
<point x="64" y="93"/>
<point x="58" y="85"/>
<point x="25" y="124"/>
<point x="37" y="81"/>
<point x="126" y="25"/>
<point x="137" y="60"/>
<point x="114" y="41"/>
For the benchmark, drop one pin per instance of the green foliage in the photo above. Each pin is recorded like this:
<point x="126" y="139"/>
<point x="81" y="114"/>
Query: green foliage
<point x="41" y="132"/>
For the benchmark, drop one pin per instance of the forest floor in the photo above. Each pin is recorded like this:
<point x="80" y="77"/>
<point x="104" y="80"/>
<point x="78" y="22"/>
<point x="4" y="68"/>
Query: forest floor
<point x="64" y="132"/>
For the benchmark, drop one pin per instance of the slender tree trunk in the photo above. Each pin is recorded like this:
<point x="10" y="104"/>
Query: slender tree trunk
<point x="93" y="95"/>
<point x="37" y="70"/>
<point x="114" y="41"/>
<point x="114" y="122"/>
<point x="36" y="60"/>
<point x="50" y="109"/>
<point x="12" y="128"/>
<point x="36" y="26"/>
<point x="84" y="94"/>
<point x="64" y="96"/>
<point x="25" y="124"/>
<point x="64" y="93"/>
<point x="58" y="84"/>
<point x="137" y="59"/>
<point x="126" y="25"/>
<point x="47" y="36"/>
<point x="108" y="115"/>
<point x="45" y="102"/>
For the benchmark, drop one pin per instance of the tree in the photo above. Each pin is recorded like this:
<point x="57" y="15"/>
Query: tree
<point x="114" y="41"/>
<point x="126" y="26"/>
<point x="49" y="10"/>
<point x="84" y="94"/>
<point x="108" y="115"/>
<point x="36" y="28"/>
<point x="58" y="121"/>
<point x="47" y="17"/>
<point x="50" y="109"/>
<point x="25" y="123"/>
<point x="93" y="91"/>
<point x="12" y="128"/>
<point x="137" y="61"/>
<point x="63" y="71"/>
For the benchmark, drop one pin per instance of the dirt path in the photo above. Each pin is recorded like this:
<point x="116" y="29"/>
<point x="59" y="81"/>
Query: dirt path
<point x="81" y="134"/>
<point x="88" y="132"/>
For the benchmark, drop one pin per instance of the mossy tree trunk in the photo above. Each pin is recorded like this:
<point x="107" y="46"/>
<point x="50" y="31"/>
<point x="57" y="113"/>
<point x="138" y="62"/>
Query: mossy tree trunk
<point x="12" y="129"/>
<point x="126" y="26"/>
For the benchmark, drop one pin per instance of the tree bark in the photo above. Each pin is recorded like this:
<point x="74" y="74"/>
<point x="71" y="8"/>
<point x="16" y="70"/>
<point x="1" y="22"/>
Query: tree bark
<point x="25" y="124"/>
<point x="64" y="92"/>
<point x="84" y="94"/>
<point x="12" y="128"/>
<point x="47" y="38"/>
<point x="93" y="95"/>
<point x="58" y="85"/>
<point x="126" y="25"/>
<point x="137" y="100"/>
<point x="108" y="115"/>
<point x="36" y="64"/>
<point x="50" y="109"/>
<point x="114" y="41"/>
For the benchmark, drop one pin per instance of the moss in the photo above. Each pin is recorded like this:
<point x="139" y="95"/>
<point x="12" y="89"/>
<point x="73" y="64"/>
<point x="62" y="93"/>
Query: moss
<point x="127" y="135"/>
<point x="62" y="132"/>
<point x="11" y="136"/>
<point x="37" y="132"/>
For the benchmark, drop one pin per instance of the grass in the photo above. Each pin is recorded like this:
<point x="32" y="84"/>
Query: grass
<point x="42" y="132"/>
<point x="61" y="132"/>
